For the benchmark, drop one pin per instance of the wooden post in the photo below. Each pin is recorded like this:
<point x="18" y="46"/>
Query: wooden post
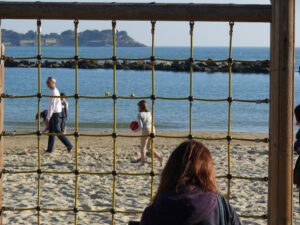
<point x="280" y="204"/>
<point x="1" y="118"/>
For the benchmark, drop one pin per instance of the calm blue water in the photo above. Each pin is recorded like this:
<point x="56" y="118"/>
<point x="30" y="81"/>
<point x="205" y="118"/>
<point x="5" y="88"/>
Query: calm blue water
<point x="97" y="114"/>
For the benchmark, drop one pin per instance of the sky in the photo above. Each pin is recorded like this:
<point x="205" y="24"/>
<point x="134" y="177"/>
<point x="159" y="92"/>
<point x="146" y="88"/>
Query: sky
<point x="170" y="33"/>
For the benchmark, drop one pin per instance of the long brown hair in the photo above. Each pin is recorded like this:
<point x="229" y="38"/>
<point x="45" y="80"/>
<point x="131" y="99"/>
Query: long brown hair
<point x="143" y="106"/>
<point x="189" y="164"/>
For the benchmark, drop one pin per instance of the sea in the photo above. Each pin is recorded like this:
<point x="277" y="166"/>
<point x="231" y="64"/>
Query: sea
<point x="97" y="114"/>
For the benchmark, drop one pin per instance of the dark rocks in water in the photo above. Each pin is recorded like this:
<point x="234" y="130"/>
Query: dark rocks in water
<point x="208" y="67"/>
<point x="11" y="63"/>
<point x="85" y="64"/>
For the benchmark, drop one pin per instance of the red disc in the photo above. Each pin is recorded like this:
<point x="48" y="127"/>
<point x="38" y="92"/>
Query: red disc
<point x="134" y="125"/>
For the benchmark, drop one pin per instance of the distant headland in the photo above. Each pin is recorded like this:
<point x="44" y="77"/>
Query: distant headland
<point x="92" y="38"/>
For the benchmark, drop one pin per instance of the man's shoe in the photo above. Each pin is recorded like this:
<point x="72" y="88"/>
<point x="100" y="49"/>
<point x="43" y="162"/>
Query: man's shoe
<point x="69" y="150"/>
<point x="49" y="151"/>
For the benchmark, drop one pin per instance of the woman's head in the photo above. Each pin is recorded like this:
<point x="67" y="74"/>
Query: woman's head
<point x="143" y="106"/>
<point x="190" y="164"/>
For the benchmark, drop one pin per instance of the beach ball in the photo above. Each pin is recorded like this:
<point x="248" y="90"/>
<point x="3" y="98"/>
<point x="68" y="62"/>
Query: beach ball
<point x="134" y="125"/>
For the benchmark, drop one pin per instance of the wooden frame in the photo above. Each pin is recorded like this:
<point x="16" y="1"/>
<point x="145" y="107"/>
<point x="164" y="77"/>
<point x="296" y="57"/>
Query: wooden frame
<point x="135" y="11"/>
<point x="280" y="203"/>
<point x="1" y="118"/>
<point x="281" y="15"/>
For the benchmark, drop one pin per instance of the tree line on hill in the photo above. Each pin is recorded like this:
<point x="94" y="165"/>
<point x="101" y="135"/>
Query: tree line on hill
<point x="67" y="38"/>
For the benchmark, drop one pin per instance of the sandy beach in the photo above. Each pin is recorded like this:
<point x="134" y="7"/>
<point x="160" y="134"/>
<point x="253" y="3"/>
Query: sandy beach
<point x="248" y="159"/>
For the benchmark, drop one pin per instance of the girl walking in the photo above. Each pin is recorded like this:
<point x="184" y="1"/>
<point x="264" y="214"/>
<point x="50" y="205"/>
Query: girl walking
<point x="144" y="119"/>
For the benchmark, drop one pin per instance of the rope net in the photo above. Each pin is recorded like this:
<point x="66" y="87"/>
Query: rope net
<point x="114" y="173"/>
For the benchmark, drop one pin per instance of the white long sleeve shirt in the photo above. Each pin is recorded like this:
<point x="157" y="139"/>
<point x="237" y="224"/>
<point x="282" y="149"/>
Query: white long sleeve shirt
<point x="54" y="104"/>
<point x="144" y="120"/>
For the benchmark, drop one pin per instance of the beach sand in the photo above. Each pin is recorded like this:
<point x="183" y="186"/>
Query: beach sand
<point x="248" y="159"/>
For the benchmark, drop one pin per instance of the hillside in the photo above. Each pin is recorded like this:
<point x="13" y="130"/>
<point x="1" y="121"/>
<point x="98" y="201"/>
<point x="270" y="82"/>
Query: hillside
<point x="67" y="38"/>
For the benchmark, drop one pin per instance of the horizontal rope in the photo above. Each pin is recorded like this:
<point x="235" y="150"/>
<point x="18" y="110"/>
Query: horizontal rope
<point x="96" y="59"/>
<point x="264" y="217"/>
<point x="58" y="58"/>
<point x="172" y="60"/>
<point x="96" y="173"/>
<point x="18" y="96"/>
<point x="134" y="97"/>
<point x="168" y="136"/>
<point x="94" y="97"/>
<point x="132" y="136"/>
<point x="137" y="174"/>
<point x="171" y="98"/>
<point x="265" y="140"/>
<point x="139" y="59"/>
<point x="13" y="133"/>
<point x="211" y="60"/>
<point x="129" y="212"/>
<point x="95" y="211"/>
<point x="5" y="208"/>
<point x="139" y="97"/>
<point x="252" y="61"/>
<point x="210" y="99"/>
<point x="96" y="135"/>
<point x="102" y="211"/>
<point x="210" y="138"/>
<point x="57" y="172"/>
<point x="242" y="178"/>
<point x="134" y="59"/>
<point x="17" y="58"/>
<point x="252" y="101"/>
<point x="5" y="171"/>
<point x="251" y="178"/>
<point x="257" y="140"/>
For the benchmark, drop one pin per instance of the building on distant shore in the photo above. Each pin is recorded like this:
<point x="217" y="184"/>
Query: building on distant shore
<point x="51" y="42"/>
<point x="7" y="43"/>
<point x="27" y="42"/>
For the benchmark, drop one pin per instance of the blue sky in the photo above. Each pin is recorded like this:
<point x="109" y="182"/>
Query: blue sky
<point x="171" y="33"/>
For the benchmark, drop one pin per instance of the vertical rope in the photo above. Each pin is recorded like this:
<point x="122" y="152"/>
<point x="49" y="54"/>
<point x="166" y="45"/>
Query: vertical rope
<point x="191" y="78"/>
<point x="38" y="121"/>
<point x="153" y="105"/>
<point x="229" y="111"/>
<point x="114" y="58"/>
<point x="76" y="59"/>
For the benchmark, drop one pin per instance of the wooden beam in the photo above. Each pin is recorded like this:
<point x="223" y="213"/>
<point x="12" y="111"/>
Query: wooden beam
<point x="135" y="11"/>
<point x="280" y="204"/>
<point x="1" y="118"/>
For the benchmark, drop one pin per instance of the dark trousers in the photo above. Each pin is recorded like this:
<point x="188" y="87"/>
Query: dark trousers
<point x="54" y="127"/>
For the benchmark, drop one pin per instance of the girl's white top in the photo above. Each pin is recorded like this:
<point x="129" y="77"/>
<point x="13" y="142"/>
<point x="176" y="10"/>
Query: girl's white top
<point x="144" y="120"/>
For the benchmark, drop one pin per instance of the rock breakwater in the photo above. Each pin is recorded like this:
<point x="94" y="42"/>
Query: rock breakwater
<point x="208" y="67"/>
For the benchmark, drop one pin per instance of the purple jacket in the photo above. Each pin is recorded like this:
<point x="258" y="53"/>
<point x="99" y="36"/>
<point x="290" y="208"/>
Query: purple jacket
<point x="189" y="207"/>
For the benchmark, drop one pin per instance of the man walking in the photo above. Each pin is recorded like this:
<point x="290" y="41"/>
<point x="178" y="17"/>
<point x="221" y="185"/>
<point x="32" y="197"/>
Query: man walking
<point x="53" y="117"/>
